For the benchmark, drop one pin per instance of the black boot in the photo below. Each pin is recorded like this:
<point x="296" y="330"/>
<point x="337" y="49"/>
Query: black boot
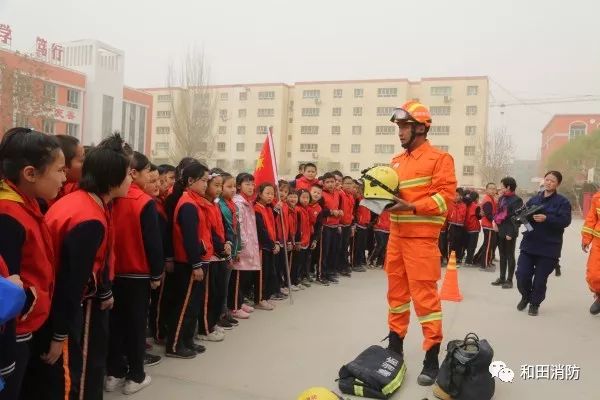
<point x="595" y="308"/>
<point x="431" y="367"/>
<point x="523" y="303"/>
<point x="498" y="282"/>
<point x="396" y="343"/>
<point x="533" y="310"/>
<point x="557" y="270"/>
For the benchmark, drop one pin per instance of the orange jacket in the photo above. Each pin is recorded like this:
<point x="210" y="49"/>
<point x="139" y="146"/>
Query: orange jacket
<point x="427" y="180"/>
<point x="591" y="226"/>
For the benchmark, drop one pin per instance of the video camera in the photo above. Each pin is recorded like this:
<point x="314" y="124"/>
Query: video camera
<point x="522" y="215"/>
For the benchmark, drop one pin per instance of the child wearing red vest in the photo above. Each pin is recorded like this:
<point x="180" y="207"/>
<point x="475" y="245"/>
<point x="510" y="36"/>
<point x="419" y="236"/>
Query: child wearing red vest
<point x="359" y="241"/>
<point x="382" y="234"/>
<point x="31" y="166"/>
<point x="485" y="254"/>
<point x="472" y="224"/>
<point x="282" y="229"/>
<point x="456" y="227"/>
<point x="315" y="212"/>
<point x="294" y="240"/>
<point x="308" y="178"/>
<point x="139" y="264"/>
<point x="331" y="231"/>
<point x="305" y="238"/>
<point x="74" y="157"/>
<point x="267" y="241"/>
<point x="192" y="250"/>
<point x="346" y="221"/>
<point x="82" y="237"/>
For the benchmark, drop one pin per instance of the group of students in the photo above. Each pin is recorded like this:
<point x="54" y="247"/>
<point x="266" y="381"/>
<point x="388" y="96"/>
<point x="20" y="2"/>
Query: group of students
<point x="108" y="247"/>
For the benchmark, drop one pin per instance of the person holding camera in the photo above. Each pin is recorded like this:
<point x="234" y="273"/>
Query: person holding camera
<point x="508" y="204"/>
<point x="542" y="242"/>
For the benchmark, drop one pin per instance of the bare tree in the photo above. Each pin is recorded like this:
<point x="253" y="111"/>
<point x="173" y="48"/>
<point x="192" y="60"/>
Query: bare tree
<point x="494" y="156"/>
<point x="25" y="102"/>
<point x="193" y="107"/>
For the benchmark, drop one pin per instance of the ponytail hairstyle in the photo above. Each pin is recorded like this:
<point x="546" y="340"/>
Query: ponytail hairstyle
<point x="22" y="147"/>
<point x="105" y="166"/>
<point x="139" y="162"/>
<point x="193" y="171"/>
<point x="185" y="161"/>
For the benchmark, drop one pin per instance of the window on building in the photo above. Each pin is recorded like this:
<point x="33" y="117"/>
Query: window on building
<point x="132" y="121"/>
<point x="336" y="112"/>
<point x="441" y="91"/>
<point x="309" y="130"/>
<point x="239" y="164"/>
<point x="163" y="114"/>
<point x="107" y="115"/>
<point x="354" y="167"/>
<point x="442" y="147"/>
<point x="336" y="130"/>
<point x="262" y="129"/>
<point x="50" y="92"/>
<point x="309" y="147"/>
<point x="222" y="130"/>
<point x="440" y="110"/>
<point x="469" y="150"/>
<point x="224" y="96"/>
<point x="384" y="148"/>
<point x="359" y="93"/>
<point x="163" y="98"/>
<point x="337" y="93"/>
<point x="310" y="112"/>
<point x="240" y="146"/>
<point x="357" y="111"/>
<point x="223" y="115"/>
<point x="267" y="95"/>
<point x="243" y="96"/>
<point x="73" y="130"/>
<point x="577" y="129"/>
<point x="141" y="142"/>
<point x="73" y="98"/>
<point x="387" y="92"/>
<point x="220" y="146"/>
<point x="357" y="130"/>
<point x="439" y="130"/>
<point x="266" y="112"/>
<point x="470" y="130"/>
<point x="384" y="111"/>
<point x="258" y="146"/>
<point x="385" y="130"/>
<point x="468" y="170"/>
<point x="335" y="148"/>
<point x="163" y="130"/>
<point x="242" y="113"/>
<point x="221" y="163"/>
<point x="472" y="90"/>
<point x="311" y="94"/>
<point x="241" y="130"/>
<point x="355" y="148"/>
<point x="471" y="110"/>
<point x="161" y="146"/>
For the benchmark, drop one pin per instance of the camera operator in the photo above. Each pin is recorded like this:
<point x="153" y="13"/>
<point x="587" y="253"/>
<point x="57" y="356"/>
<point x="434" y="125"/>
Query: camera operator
<point x="508" y="231"/>
<point x="540" y="247"/>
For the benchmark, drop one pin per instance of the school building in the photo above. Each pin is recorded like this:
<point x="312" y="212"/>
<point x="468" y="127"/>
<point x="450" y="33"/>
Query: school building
<point x="563" y="128"/>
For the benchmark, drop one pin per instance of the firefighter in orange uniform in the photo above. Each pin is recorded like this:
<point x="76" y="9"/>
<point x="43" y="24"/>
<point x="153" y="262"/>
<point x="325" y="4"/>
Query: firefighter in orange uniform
<point x="591" y="237"/>
<point x="426" y="190"/>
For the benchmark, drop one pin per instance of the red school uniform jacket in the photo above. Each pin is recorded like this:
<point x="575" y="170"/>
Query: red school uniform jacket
<point x="363" y="216"/>
<point x="282" y="232"/>
<point x="458" y="214"/>
<point x="383" y="222"/>
<point x="305" y="183"/>
<point x="26" y="247"/>
<point x="292" y="221"/>
<point x="265" y="226"/>
<point x="348" y="202"/>
<point x="331" y="201"/>
<point x="304" y="226"/>
<point x="192" y="237"/>
<point x="488" y="210"/>
<point x="217" y="228"/>
<point x="138" y="244"/>
<point x="472" y="224"/>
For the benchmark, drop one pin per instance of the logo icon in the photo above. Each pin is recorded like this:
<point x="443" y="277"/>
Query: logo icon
<point x="498" y="369"/>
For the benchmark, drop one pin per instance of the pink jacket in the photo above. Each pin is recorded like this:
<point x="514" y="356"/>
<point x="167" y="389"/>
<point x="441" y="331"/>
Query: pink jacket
<point x="249" y="255"/>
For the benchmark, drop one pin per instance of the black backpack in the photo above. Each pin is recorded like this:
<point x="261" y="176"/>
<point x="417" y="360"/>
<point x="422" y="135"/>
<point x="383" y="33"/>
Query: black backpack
<point x="376" y="373"/>
<point x="464" y="373"/>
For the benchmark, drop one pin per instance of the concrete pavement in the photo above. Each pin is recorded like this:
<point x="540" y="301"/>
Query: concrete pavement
<point x="276" y="355"/>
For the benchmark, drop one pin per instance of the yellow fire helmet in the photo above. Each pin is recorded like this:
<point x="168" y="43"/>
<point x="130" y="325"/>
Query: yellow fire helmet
<point x="318" y="393"/>
<point x="381" y="187"/>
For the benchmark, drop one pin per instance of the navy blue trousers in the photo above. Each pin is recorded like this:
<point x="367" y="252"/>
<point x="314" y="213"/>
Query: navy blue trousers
<point x="532" y="275"/>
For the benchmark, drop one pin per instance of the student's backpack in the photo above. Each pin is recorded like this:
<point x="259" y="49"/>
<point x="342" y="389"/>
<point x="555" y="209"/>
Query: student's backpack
<point x="376" y="373"/>
<point x="464" y="373"/>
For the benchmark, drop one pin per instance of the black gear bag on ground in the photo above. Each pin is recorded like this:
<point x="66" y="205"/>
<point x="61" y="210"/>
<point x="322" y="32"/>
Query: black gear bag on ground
<point x="464" y="374"/>
<point x="376" y="373"/>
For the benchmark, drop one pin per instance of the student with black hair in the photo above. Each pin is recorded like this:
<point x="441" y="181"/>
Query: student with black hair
<point x="308" y="177"/>
<point x="167" y="175"/>
<point x="32" y="166"/>
<point x="74" y="156"/>
<point x="330" y="232"/>
<point x="347" y="202"/>
<point x="508" y="231"/>
<point x="472" y="224"/>
<point x="192" y="245"/>
<point x="75" y="337"/>
<point x="139" y="264"/>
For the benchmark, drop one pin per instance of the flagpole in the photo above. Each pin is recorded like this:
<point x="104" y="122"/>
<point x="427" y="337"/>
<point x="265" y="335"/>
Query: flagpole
<point x="285" y="252"/>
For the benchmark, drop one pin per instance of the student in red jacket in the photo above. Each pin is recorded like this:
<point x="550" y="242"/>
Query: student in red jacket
<point x="267" y="241"/>
<point x="305" y="237"/>
<point x="330" y="232"/>
<point x="308" y="178"/>
<point x="359" y="241"/>
<point x="472" y="224"/>
<point x="32" y="166"/>
<point x="485" y="254"/>
<point x="282" y="227"/>
<point x="192" y="249"/>
<point x="456" y="227"/>
<point x="346" y="221"/>
<point x="382" y="234"/>
<point x="139" y="264"/>
<point x="316" y="220"/>
<point x="75" y="336"/>
<point x="294" y="239"/>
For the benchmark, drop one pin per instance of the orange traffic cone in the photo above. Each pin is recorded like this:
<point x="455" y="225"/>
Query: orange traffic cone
<point x="450" y="290"/>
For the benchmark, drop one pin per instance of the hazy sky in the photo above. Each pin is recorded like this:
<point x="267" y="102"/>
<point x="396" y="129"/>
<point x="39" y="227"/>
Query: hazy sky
<point x="533" y="48"/>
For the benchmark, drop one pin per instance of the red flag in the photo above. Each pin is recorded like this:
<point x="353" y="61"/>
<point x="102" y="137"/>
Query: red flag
<point x="266" y="166"/>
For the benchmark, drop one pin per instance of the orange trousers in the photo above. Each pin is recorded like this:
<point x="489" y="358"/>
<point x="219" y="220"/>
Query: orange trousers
<point x="413" y="269"/>
<point x="592" y="275"/>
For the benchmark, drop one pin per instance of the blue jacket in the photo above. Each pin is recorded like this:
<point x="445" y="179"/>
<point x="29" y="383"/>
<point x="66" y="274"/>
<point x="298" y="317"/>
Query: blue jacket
<point x="547" y="237"/>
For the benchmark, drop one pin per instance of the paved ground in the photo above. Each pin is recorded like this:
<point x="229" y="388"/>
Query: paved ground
<point x="275" y="355"/>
